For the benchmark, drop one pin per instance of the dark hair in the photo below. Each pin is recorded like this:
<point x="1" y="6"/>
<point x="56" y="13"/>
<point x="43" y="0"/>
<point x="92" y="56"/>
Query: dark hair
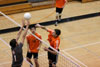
<point x="13" y="43"/>
<point x="33" y="26"/>
<point x="58" y="32"/>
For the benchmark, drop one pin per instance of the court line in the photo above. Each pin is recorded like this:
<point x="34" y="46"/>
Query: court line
<point x="93" y="53"/>
<point x="74" y="58"/>
<point x="5" y="42"/>
<point x="84" y="45"/>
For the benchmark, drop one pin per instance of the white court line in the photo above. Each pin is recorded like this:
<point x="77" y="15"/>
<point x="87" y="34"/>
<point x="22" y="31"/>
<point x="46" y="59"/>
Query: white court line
<point x="75" y="59"/>
<point x="5" y="42"/>
<point x="84" y="45"/>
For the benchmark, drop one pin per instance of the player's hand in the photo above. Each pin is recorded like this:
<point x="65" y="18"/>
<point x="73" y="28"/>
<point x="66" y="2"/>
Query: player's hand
<point x="38" y="48"/>
<point x="29" y="50"/>
<point x="37" y="25"/>
<point x="23" y="22"/>
<point x="46" y="49"/>
<point x="27" y="22"/>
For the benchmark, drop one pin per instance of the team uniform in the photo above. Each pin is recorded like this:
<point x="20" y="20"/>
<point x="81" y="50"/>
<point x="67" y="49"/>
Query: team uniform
<point x="54" y="42"/>
<point x="17" y="56"/>
<point x="33" y="45"/>
<point x="59" y="5"/>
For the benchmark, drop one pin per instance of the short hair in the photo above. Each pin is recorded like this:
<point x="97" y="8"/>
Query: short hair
<point x="13" y="43"/>
<point x="58" y="31"/>
<point x="33" y="26"/>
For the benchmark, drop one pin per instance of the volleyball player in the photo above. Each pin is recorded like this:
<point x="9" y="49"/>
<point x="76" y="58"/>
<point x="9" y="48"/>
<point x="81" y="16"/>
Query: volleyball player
<point x="33" y="45"/>
<point x="16" y="48"/>
<point x="54" y="41"/>
<point x="59" y="8"/>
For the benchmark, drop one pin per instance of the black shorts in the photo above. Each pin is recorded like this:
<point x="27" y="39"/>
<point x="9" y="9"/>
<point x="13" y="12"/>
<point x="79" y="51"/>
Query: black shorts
<point x="52" y="57"/>
<point x="59" y="10"/>
<point x="16" y="65"/>
<point x="29" y="55"/>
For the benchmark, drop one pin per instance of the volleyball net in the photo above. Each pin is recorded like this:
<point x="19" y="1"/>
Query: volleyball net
<point x="7" y="23"/>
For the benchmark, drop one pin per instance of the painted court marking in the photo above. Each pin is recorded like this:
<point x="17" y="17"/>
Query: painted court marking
<point x="84" y="45"/>
<point x="75" y="58"/>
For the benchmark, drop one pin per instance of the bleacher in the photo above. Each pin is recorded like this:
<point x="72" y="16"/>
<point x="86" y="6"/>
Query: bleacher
<point x="5" y="2"/>
<point x="15" y="6"/>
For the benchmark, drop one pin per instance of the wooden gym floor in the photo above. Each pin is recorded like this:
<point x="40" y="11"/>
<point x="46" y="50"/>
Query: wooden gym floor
<point x="80" y="40"/>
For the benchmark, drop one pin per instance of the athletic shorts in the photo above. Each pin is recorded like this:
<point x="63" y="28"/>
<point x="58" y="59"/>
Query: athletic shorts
<point x="16" y="65"/>
<point x="29" y="55"/>
<point x="59" y="10"/>
<point x="52" y="57"/>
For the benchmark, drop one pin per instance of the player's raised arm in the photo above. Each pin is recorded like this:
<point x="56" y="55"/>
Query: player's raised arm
<point x="40" y="26"/>
<point x="40" y="43"/>
<point x="53" y="52"/>
<point x="24" y="35"/>
<point x="20" y="31"/>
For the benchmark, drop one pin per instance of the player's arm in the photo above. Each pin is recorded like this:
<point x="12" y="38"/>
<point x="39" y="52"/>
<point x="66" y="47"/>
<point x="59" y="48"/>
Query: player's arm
<point x="66" y="1"/>
<point x="28" y="46"/>
<point x="40" y="26"/>
<point x="57" y="42"/>
<point x="53" y="52"/>
<point x="20" y="31"/>
<point x="40" y="44"/>
<point x="24" y="35"/>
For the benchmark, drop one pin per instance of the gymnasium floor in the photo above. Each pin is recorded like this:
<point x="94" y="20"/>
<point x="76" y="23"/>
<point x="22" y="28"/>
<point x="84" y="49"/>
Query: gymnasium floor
<point x="79" y="40"/>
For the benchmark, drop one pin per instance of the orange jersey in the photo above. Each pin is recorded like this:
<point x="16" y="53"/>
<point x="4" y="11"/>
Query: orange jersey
<point x="33" y="42"/>
<point x="60" y="3"/>
<point x="54" y="42"/>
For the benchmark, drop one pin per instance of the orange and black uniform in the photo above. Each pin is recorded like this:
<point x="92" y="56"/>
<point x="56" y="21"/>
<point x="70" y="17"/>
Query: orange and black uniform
<point x="54" y="42"/>
<point x="33" y="45"/>
<point x="59" y="5"/>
